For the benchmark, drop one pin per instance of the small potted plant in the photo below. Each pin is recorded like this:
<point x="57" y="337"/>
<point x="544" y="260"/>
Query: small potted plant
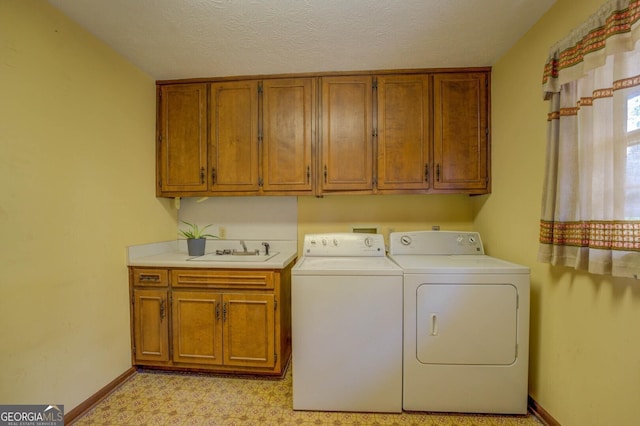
<point x="196" y="238"/>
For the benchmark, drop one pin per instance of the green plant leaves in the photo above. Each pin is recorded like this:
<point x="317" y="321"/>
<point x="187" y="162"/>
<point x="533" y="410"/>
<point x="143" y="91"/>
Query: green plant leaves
<point x="195" y="232"/>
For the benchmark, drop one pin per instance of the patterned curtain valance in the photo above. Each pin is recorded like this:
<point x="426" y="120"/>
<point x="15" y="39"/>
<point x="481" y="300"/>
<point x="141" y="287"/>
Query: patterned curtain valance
<point x="614" y="28"/>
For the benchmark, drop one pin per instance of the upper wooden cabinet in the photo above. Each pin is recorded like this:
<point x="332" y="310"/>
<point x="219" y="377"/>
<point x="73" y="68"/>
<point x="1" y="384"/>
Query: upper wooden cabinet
<point x="288" y="128"/>
<point x="233" y="156"/>
<point x="403" y="132"/>
<point x="460" y="134"/>
<point x="417" y="131"/>
<point x="346" y="143"/>
<point x="236" y="137"/>
<point x="182" y="138"/>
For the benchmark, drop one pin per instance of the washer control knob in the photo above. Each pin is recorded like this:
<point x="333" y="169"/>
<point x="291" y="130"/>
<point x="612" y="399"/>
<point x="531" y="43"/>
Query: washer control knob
<point x="472" y="240"/>
<point x="324" y="242"/>
<point x="405" y="240"/>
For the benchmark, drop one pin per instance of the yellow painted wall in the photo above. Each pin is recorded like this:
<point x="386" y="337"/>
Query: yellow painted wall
<point x="76" y="187"/>
<point x="338" y="213"/>
<point x="585" y="329"/>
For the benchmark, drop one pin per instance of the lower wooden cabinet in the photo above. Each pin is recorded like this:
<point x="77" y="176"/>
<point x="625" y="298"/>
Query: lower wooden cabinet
<point x="150" y="325"/>
<point x="219" y="320"/>
<point x="197" y="327"/>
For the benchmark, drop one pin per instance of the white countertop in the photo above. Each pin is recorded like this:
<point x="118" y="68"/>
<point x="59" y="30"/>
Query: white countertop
<point x="173" y="254"/>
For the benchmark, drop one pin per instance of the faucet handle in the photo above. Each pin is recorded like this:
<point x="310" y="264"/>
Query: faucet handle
<point x="266" y="248"/>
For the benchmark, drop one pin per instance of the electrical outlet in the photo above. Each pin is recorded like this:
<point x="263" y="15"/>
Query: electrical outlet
<point x="435" y="228"/>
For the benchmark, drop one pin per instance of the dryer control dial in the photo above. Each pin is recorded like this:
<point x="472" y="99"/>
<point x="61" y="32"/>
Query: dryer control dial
<point x="405" y="240"/>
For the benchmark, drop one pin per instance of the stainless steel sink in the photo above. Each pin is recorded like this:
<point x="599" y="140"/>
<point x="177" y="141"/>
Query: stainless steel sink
<point x="237" y="256"/>
<point x="244" y="253"/>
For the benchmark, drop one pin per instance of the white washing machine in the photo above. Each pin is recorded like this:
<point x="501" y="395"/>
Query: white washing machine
<point x="466" y="325"/>
<point x="346" y="302"/>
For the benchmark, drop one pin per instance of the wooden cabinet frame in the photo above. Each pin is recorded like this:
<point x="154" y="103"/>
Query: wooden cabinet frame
<point x="417" y="131"/>
<point x="246" y="137"/>
<point x="211" y="319"/>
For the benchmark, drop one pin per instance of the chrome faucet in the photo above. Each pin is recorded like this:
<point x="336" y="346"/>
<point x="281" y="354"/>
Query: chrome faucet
<point x="266" y="248"/>
<point x="244" y="246"/>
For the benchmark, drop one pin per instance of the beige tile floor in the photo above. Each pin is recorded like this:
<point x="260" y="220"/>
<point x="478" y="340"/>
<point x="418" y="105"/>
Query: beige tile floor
<point x="151" y="398"/>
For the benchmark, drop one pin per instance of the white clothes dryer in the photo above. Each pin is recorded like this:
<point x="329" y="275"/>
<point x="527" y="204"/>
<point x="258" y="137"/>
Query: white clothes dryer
<point x="466" y="325"/>
<point x="346" y="303"/>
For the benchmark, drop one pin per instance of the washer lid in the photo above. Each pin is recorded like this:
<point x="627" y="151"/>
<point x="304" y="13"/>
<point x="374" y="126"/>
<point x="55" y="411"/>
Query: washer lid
<point x="456" y="264"/>
<point x="345" y="266"/>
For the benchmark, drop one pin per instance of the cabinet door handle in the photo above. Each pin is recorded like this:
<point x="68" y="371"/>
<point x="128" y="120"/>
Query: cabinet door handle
<point x="325" y="173"/>
<point x="308" y="174"/>
<point x="217" y="311"/>
<point x="161" y="309"/>
<point x="149" y="278"/>
<point x="201" y="174"/>
<point x="426" y="173"/>
<point x="224" y="312"/>
<point x="438" y="172"/>
<point x="213" y="175"/>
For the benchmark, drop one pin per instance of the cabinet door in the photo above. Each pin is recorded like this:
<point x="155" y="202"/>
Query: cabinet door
<point x="234" y="137"/>
<point x="287" y="131"/>
<point x="249" y="329"/>
<point x="183" y="138"/>
<point x="347" y="148"/>
<point x="460" y="131"/>
<point x="403" y="132"/>
<point x="150" y="325"/>
<point x="197" y="327"/>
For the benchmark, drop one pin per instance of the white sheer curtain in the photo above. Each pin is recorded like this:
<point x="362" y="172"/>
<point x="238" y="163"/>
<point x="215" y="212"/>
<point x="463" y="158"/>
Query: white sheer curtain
<point x="591" y="200"/>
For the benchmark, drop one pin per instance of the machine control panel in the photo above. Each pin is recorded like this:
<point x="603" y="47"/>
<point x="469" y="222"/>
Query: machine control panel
<point x="435" y="243"/>
<point x="343" y="244"/>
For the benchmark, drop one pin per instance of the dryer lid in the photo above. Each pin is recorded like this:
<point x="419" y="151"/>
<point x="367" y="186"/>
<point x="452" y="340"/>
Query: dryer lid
<point x="456" y="264"/>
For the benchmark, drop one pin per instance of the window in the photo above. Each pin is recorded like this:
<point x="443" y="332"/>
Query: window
<point x="632" y="171"/>
<point x="591" y="200"/>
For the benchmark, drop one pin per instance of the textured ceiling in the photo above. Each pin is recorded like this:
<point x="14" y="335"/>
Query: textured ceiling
<point x="172" y="39"/>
